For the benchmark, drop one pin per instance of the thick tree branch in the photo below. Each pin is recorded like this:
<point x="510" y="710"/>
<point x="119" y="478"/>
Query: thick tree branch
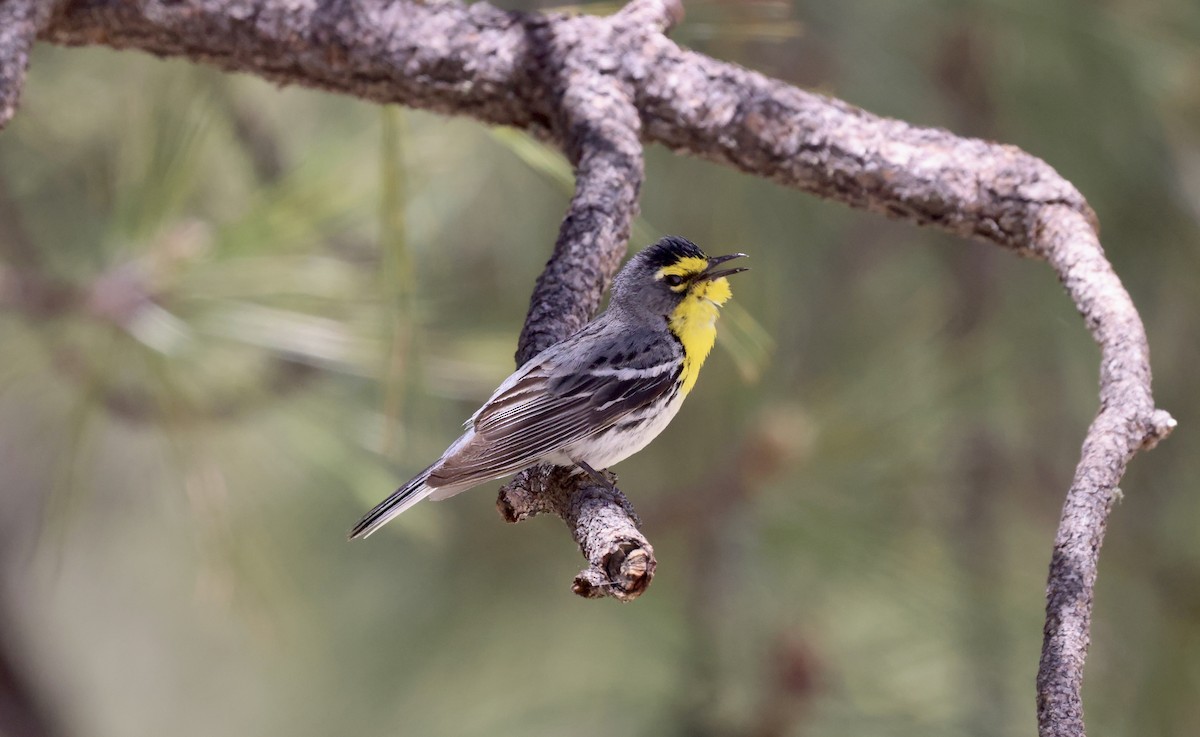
<point x="442" y="56"/>
<point x="584" y="83"/>
<point x="719" y="111"/>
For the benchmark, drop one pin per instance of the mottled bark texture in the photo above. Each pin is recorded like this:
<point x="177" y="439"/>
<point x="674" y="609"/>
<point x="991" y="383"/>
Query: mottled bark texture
<point x="600" y="131"/>
<point x="597" y="87"/>
<point x="620" y="559"/>
<point x="20" y="21"/>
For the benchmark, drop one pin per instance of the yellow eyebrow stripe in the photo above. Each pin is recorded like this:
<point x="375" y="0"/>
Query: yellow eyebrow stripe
<point x="687" y="266"/>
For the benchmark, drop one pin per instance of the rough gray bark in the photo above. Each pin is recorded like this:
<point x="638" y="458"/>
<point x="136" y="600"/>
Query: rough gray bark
<point x="620" y="559"/>
<point x="600" y="132"/>
<point x="595" y="86"/>
<point x="20" y="21"/>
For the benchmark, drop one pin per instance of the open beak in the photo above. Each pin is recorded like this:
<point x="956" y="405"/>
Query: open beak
<point x="711" y="272"/>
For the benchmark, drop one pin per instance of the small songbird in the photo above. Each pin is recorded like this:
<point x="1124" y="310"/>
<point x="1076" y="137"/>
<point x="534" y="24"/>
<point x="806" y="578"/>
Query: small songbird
<point x="600" y="395"/>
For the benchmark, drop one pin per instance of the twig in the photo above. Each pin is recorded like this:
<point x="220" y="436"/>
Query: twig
<point x="620" y="559"/>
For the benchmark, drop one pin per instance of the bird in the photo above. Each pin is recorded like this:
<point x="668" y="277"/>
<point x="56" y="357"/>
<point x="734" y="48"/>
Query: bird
<point x="598" y="396"/>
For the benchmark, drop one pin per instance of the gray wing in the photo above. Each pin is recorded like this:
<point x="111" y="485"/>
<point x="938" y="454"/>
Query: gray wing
<point x="550" y="404"/>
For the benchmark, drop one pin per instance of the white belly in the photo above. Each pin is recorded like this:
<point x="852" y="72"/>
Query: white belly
<point x="610" y="448"/>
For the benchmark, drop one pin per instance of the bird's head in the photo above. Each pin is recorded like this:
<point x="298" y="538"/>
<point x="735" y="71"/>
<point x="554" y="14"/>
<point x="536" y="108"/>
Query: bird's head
<point x="666" y="275"/>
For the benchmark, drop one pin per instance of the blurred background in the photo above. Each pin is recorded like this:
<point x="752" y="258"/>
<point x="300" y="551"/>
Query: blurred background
<point x="233" y="317"/>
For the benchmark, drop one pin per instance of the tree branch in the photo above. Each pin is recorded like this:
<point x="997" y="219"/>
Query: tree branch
<point x="441" y="56"/>
<point x="584" y="83"/>
<point x="600" y="129"/>
<point x="20" y="21"/>
<point x="1127" y="422"/>
<point x="620" y="560"/>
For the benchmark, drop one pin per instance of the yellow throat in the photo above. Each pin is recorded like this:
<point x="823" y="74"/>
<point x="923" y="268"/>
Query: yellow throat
<point x="694" y="321"/>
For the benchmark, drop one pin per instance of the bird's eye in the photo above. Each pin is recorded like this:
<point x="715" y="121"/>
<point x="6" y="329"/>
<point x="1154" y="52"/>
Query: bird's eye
<point x="673" y="280"/>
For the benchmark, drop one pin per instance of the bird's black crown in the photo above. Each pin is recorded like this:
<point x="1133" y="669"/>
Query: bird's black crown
<point x="670" y="249"/>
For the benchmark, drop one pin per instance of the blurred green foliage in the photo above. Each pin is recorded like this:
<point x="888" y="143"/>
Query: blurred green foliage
<point x="235" y="316"/>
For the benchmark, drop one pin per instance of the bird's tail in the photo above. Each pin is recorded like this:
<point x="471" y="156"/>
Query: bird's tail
<point x="400" y="500"/>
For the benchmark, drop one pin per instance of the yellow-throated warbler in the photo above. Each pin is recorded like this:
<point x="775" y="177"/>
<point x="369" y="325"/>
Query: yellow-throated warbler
<point x="598" y="396"/>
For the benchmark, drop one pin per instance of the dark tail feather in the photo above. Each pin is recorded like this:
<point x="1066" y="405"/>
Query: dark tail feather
<point x="400" y="500"/>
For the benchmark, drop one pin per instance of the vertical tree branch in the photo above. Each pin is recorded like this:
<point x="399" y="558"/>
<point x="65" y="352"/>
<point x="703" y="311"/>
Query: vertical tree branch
<point x="20" y="21"/>
<point x="601" y="130"/>
<point x="1127" y="422"/>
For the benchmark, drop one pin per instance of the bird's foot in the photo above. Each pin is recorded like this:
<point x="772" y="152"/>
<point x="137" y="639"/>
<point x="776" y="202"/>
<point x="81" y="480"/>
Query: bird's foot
<point x="604" y="479"/>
